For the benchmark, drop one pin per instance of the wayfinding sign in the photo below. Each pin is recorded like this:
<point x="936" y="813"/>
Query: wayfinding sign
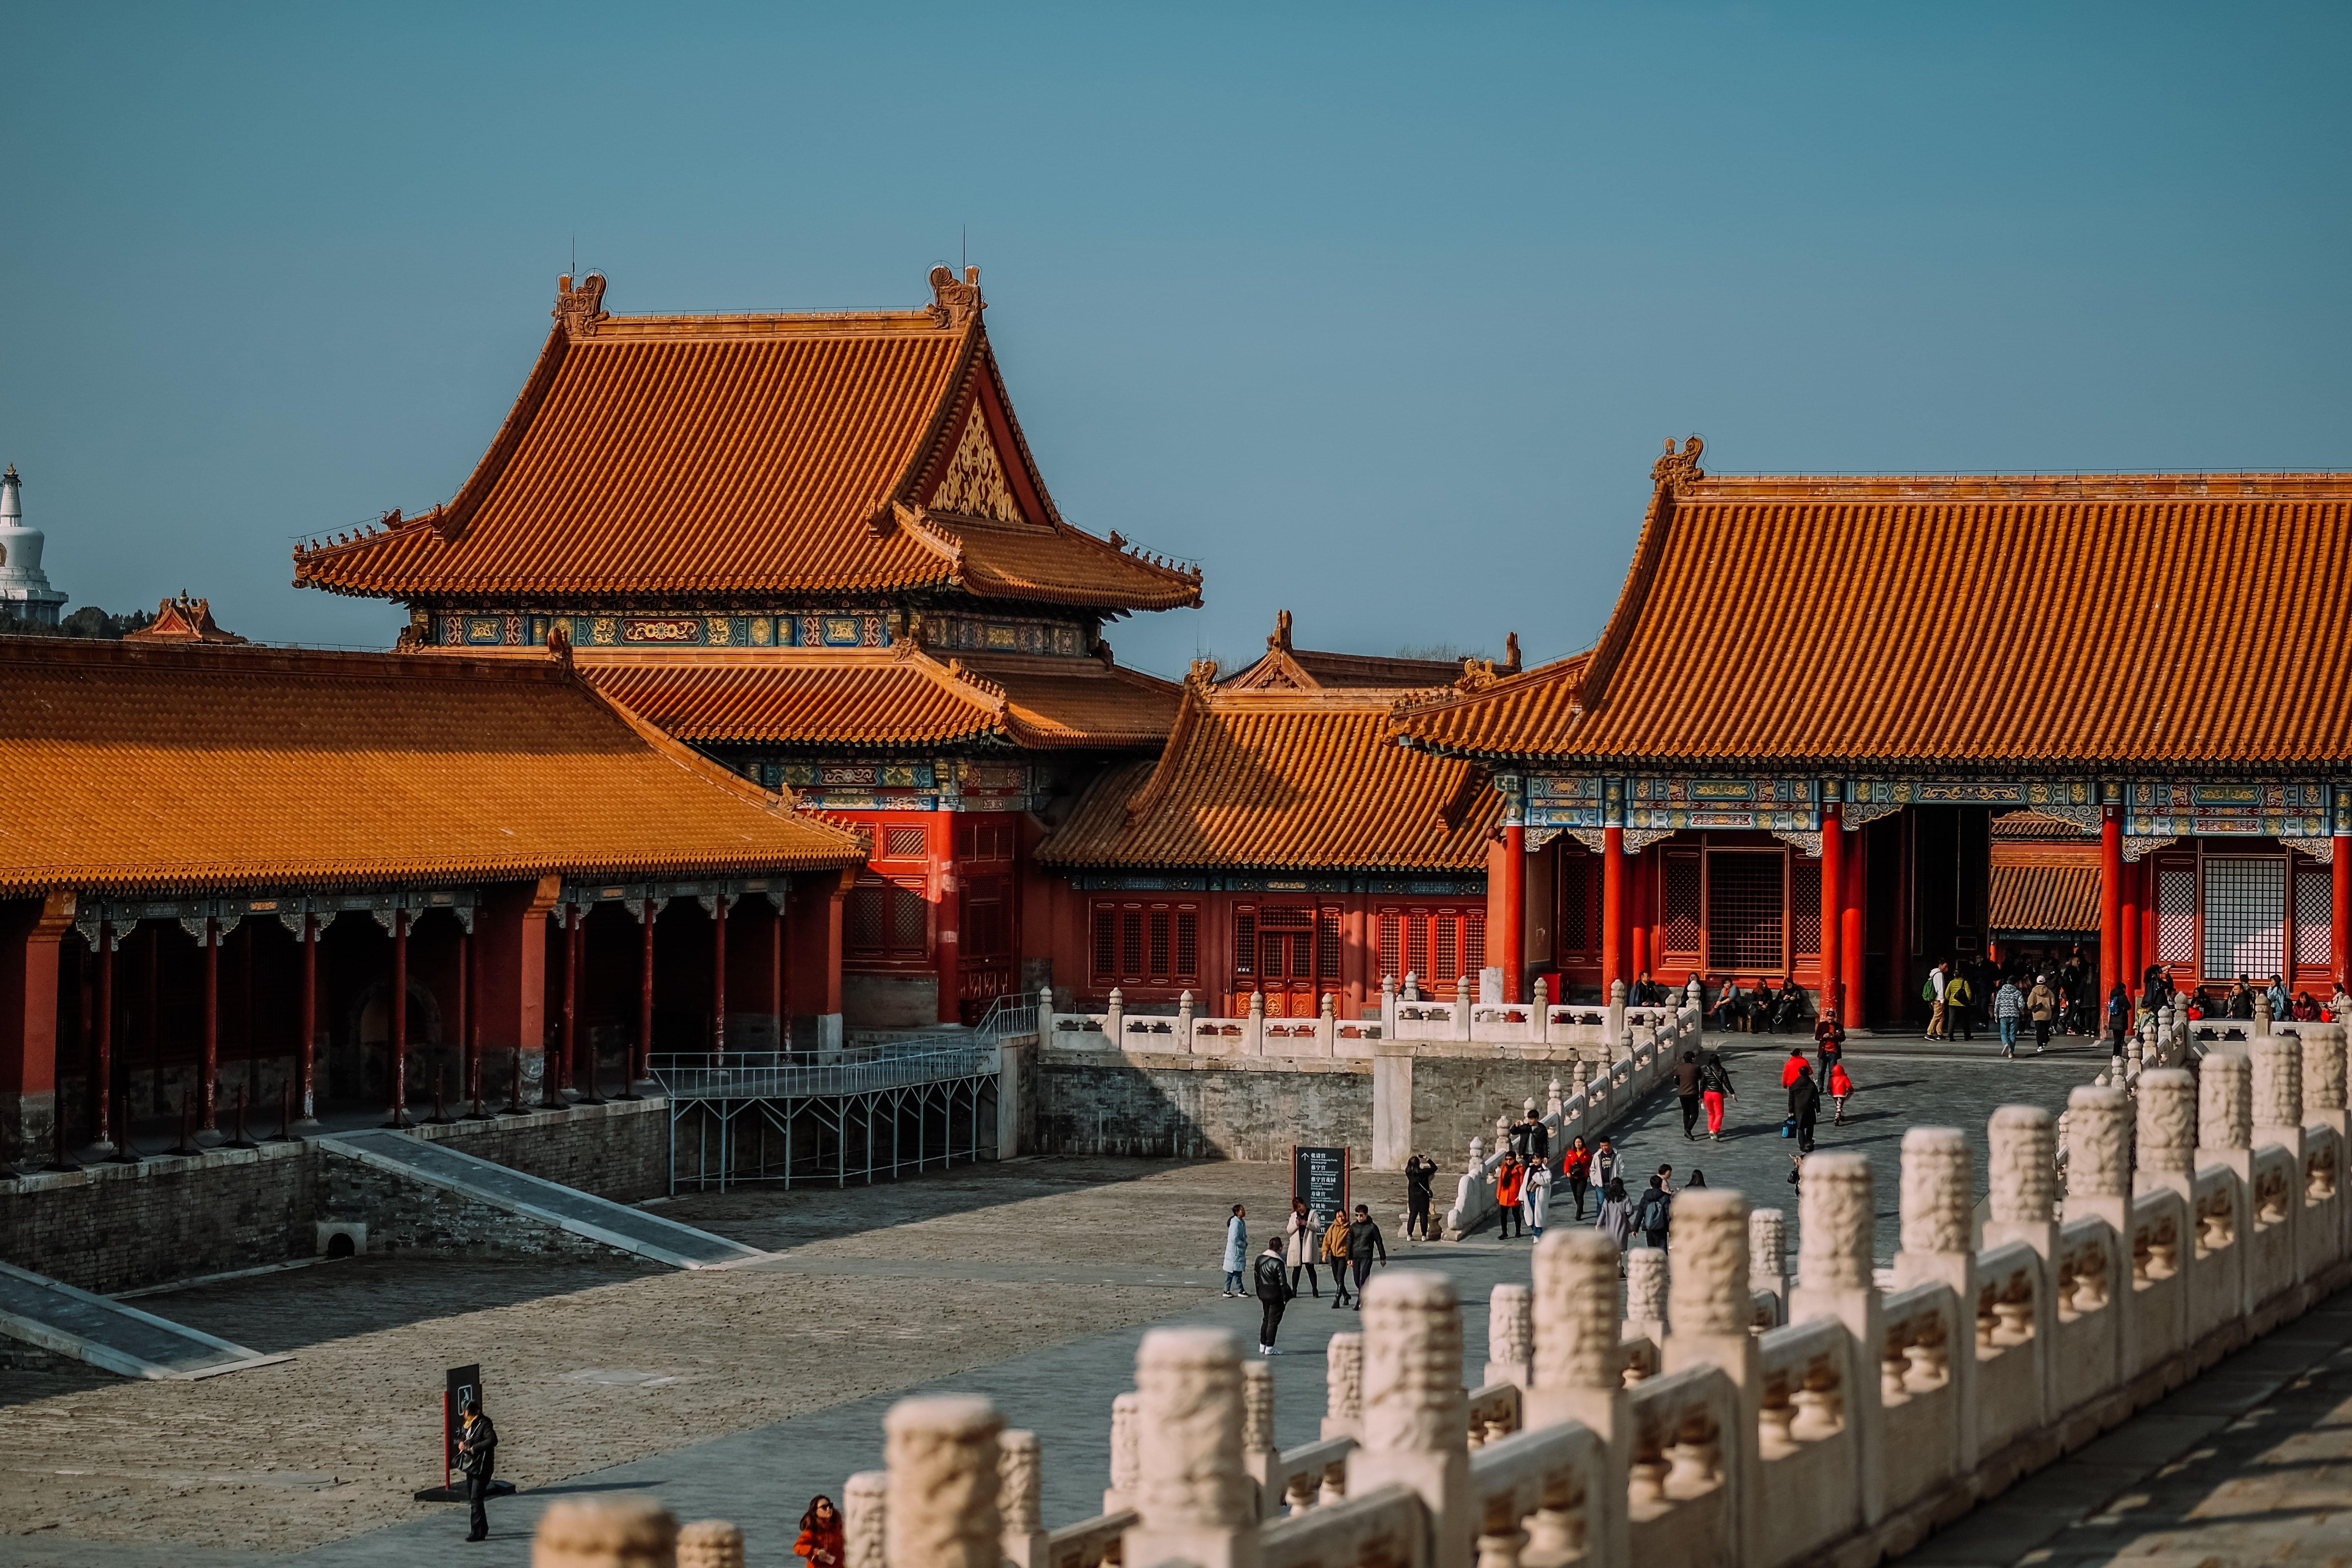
<point x="1321" y="1176"/>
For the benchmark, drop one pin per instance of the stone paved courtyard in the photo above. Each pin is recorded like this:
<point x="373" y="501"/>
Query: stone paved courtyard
<point x="737" y="1393"/>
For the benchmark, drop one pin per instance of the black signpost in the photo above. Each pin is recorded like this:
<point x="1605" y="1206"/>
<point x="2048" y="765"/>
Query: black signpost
<point x="1321" y="1176"/>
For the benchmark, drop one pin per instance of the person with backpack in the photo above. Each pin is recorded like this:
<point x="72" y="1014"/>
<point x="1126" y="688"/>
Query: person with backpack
<point x="1509" y="1179"/>
<point x="1302" y="1243"/>
<point x="1804" y="1106"/>
<point x="1654" y="1212"/>
<point x="1840" y="1086"/>
<point x="1714" y="1089"/>
<point x="1932" y="993"/>
<point x="1364" y="1244"/>
<point x="1274" y="1293"/>
<point x="1335" y="1252"/>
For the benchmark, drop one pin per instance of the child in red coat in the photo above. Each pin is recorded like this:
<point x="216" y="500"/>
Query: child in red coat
<point x="1840" y="1086"/>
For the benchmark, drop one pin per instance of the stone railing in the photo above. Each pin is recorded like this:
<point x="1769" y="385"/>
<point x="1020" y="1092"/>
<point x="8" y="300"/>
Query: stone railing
<point x="1687" y="1435"/>
<point x="1539" y="1027"/>
<point x="1602" y="1094"/>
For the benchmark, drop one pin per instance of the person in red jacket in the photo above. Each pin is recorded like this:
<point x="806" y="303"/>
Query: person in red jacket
<point x="1840" y="1086"/>
<point x="1793" y="1067"/>
<point x="821" y="1539"/>
<point x="1510" y="1181"/>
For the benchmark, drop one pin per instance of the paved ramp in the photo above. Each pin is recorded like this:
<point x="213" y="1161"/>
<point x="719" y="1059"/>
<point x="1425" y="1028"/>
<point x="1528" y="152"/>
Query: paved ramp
<point x="56" y="1317"/>
<point x="583" y="1213"/>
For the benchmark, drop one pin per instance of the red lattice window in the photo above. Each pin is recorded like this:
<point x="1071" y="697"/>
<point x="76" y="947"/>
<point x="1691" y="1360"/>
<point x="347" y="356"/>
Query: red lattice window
<point x="1130" y="942"/>
<point x="1391" y="951"/>
<point x="1682" y="925"/>
<point x="1746" y="910"/>
<point x="2176" y="915"/>
<point x="1805" y="908"/>
<point x="905" y="843"/>
<point x="1439" y="946"/>
<point x="1147" y="944"/>
<point x="1106" y="940"/>
<point x="1579" y="904"/>
<point x="882" y="920"/>
<point x="1326" y="943"/>
<point x="2245" y="916"/>
<point x="2314" y="917"/>
<point x="1188" y="943"/>
<point x="1244" y="942"/>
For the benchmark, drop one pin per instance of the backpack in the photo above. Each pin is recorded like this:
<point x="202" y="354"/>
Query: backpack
<point x="1652" y="1214"/>
<point x="1927" y="989"/>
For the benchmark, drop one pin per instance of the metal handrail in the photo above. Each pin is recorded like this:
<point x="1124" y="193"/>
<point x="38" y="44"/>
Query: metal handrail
<point x="1015" y="1013"/>
<point x="787" y="1074"/>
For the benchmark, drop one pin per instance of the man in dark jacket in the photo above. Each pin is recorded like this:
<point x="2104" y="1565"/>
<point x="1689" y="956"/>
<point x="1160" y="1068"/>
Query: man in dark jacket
<point x="1420" y="1177"/>
<point x="477" y="1451"/>
<point x="1364" y="1244"/>
<point x="1804" y="1104"/>
<point x="1273" y="1289"/>
<point x="1686" y="1089"/>
<point x="1654" y="1214"/>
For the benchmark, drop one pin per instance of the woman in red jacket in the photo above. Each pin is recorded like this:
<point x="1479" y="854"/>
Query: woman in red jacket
<point x="1840" y="1086"/>
<point x="821" y="1541"/>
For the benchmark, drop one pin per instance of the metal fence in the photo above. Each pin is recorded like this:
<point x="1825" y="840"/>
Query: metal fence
<point x="806" y="1074"/>
<point x="1011" y="1015"/>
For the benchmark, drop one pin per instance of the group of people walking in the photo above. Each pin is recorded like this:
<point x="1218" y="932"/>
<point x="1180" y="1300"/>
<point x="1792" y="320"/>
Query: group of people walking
<point x="1349" y="1244"/>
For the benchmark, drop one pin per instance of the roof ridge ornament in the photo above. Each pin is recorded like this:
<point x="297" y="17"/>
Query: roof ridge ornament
<point x="1677" y="469"/>
<point x="582" y="308"/>
<point x="1281" y="638"/>
<point x="559" y="643"/>
<point x="955" y="304"/>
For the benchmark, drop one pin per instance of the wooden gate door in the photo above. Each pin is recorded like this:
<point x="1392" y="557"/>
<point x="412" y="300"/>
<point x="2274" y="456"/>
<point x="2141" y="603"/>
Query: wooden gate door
<point x="1285" y="942"/>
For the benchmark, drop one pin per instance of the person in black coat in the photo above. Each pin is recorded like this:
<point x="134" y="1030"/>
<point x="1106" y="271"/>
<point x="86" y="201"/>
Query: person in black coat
<point x="1364" y="1244"/>
<point x="1804" y="1105"/>
<point x="1271" y="1281"/>
<point x="1420" y="1179"/>
<point x="478" y="1452"/>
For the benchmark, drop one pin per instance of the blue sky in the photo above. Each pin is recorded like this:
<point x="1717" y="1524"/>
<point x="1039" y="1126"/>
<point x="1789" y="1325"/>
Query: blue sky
<point x="1379" y="313"/>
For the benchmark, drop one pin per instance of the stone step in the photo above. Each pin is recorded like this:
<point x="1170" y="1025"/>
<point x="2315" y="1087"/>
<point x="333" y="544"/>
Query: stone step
<point x="60" y="1319"/>
<point x="583" y="1215"/>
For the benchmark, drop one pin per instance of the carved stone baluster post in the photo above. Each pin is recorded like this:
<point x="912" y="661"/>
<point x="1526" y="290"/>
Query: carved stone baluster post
<point x="2165" y="1142"/>
<point x="1938" y="1182"/>
<point x="1580" y="1375"/>
<point x="2025" y="1204"/>
<point x="1196" y="1500"/>
<point x="1836" y="1215"/>
<point x="1511" y="1336"/>
<point x="1646" y="1294"/>
<point x="865" y="1520"/>
<point x="1540" y="1019"/>
<point x="2225" y="1113"/>
<point x="1020" y="1499"/>
<point x="942" y="1451"/>
<point x="1260" y="1456"/>
<point x="2278" y="1093"/>
<point x="1707" y="1315"/>
<point x="1343" y="1394"/>
<point x="1184" y="1031"/>
<point x="710" y="1543"/>
<point x="1554" y="1105"/>
<point x="1115" y="1021"/>
<point x="2262" y="1019"/>
<point x="1253" y="1026"/>
<point x="2099" y="1156"/>
<point x="614" y="1532"/>
<point x="1416" y="1422"/>
<point x="2324" y="1079"/>
<point x="1125" y="1453"/>
<point x="1767" y="1256"/>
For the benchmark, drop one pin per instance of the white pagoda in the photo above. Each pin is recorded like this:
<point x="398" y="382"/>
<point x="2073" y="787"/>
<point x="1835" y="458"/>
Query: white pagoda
<point x="25" y="590"/>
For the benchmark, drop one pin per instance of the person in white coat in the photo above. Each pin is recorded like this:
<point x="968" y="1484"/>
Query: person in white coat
<point x="1535" y="1196"/>
<point x="1236" y="1252"/>
<point x="1302" y="1242"/>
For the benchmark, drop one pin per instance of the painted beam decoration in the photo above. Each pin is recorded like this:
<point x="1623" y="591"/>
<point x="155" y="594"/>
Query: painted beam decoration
<point x="227" y="911"/>
<point x="1789" y="803"/>
<point x="1402" y="887"/>
<point x="944" y="783"/>
<point x="634" y="896"/>
<point x="802" y="628"/>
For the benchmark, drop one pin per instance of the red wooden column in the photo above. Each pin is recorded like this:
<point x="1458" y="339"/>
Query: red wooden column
<point x="1833" y="907"/>
<point x="1510" y="945"/>
<point x="2147" y="949"/>
<point x="102" y="1069"/>
<point x="947" y="946"/>
<point x="2339" y="923"/>
<point x="1857" y="879"/>
<point x="567" y="1014"/>
<point x="719" y="975"/>
<point x="1637" y="915"/>
<point x="2128" y="962"/>
<point x="469" y="1057"/>
<point x="305" y="1040"/>
<point x="209" y="1064"/>
<point x="586" y="1065"/>
<point x="645" y="1042"/>
<point x="399" y="1020"/>
<point x="30" y="931"/>
<point x="2111" y="902"/>
<point x="1612" y="911"/>
<point x="776" y="967"/>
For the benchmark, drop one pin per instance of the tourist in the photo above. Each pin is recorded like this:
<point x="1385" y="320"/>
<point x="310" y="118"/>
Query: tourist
<point x="1605" y="1163"/>
<point x="1236" y="1251"/>
<point x="1647" y="992"/>
<point x="1726" y="1008"/>
<point x="2042" y="1005"/>
<point x="1759" y="1008"/>
<point x="2241" y="1001"/>
<point x="1576" y="1165"/>
<point x="1793" y="1066"/>
<point x="1932" y="993"/>
<point x="2307" y="1007"/>
<point x="2282" y="1005"/>
<point x="1335" y="1249"/>
<point x="1654" y="1213"/>
<point x="1364" y="1244"/>
<point x="1829" y="1038"/>
<point x="1958" y="994"/>
<point x="1698" y="1180"/>
<point x="1535" y="1197"/>
<point x="1419" y="1180"/>
<point x="2008" y="1007"/>
<point x="2340" y="1005"/>
<point x="1665" y="1178"/>
<point x="1804" y="1106"/>
<point x="1508" y="1178"/>
<point x="1531" y="1139"/>
<point x="1840" y="1086"/>
<point x="1274" y="1293"/>
<point x="1686" y="1077"/>
<point x="1615" y="1219"/>
<point x="1302" y="1238"/>
<point x="821" y="1540"/>
<point x="477" y="1459"/>
<point x="1789" y="1006"/>
<point x="1714" y="1089"/>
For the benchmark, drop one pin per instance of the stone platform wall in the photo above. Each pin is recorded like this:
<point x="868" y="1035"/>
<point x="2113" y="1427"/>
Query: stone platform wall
<point x="117" y="1227"/>
<point x="1199" y="1108"/>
